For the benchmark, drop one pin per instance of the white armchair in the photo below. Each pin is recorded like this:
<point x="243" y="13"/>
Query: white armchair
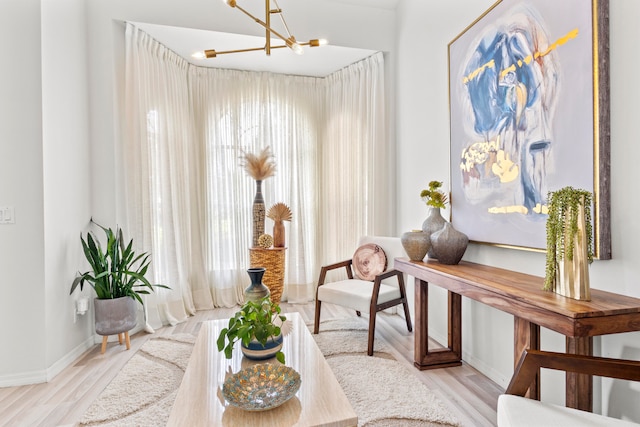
<point x="518" y="411"/>
<point x="385" y="291"/>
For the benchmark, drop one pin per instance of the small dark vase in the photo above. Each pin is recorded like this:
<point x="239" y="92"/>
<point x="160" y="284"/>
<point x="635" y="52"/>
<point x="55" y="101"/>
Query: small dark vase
<point x="256" y="290"/>
<point x="433" y="223"/>
<point x="258" y="214"/>
<point x="449" y="244"/>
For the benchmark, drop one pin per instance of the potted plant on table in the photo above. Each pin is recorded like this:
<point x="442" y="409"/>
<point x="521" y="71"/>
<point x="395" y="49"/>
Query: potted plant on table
<point x="569" y="243"/>
<point x="118" y="277"/>
<point x="258" y="326"/>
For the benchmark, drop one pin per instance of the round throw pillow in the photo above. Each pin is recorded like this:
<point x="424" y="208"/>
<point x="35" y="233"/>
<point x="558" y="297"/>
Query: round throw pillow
<point x="368" y="261"/>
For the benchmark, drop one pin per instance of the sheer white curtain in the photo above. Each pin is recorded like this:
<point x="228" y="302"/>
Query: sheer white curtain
<point x="162" y="187"/>
<point x="237" y="110"/>
<point x="189" y="201"/>
<point x="356" y="159"/>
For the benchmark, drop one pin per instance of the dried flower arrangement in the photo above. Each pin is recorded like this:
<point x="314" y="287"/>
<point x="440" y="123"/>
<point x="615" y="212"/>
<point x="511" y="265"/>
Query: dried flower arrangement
<point x="259" y="166"/>
<point x="279" y="212"/>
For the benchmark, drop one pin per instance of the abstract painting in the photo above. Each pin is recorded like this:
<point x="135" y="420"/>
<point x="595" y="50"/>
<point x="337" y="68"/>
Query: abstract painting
<point x="529" y="114"/>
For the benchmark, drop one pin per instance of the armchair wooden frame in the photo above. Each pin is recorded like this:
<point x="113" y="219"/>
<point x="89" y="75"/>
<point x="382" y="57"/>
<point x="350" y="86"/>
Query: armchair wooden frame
<point x="374" y="307"/>
<point x="532" y="360"/>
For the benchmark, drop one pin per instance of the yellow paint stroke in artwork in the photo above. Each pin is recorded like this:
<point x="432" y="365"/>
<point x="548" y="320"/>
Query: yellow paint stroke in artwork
<point x="541" y="209"/>
<point x="562" y="40"/>
<point x="508" y="209"/>
<point x="478" y="70"/>
<point x="504" y="168"/>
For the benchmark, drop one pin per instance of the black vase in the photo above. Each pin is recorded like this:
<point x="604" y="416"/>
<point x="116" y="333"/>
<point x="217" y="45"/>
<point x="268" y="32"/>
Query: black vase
<point x="256" y="290"/>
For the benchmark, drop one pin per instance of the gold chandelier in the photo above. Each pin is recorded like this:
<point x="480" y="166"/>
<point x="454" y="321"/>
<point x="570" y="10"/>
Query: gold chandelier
<point x="289" y="41"/>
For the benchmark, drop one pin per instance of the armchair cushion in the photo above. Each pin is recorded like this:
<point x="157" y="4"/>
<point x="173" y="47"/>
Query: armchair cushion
<point x="523" y="412"/>
<point x="356" y="293"/>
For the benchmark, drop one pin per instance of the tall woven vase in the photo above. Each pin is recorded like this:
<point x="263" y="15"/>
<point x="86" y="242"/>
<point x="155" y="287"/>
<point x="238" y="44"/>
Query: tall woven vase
<point x="258" y="214"/>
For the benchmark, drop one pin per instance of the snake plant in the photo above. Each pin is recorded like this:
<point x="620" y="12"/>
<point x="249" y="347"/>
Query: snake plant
<point x="116" y="271"/>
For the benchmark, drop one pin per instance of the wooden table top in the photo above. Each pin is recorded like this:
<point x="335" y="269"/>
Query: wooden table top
<point x="320" y="400"/>
<point x="522" y="295"/>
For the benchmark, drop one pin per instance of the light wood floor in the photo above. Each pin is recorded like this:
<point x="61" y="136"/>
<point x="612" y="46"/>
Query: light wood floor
<point x="468" y="394"/>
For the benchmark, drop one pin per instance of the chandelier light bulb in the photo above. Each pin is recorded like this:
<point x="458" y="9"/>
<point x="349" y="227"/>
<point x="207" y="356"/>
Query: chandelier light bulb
<point x="318" y="42"/>
<point x="297" y="49"/>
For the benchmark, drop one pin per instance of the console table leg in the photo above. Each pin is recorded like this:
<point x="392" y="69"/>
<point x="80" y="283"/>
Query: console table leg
<point x="526" y="336"/>
<point x="438" y="357"/>
<point x="579" y="391"/>
<point x="455" y="323"/>
<point x="421" y="330"/>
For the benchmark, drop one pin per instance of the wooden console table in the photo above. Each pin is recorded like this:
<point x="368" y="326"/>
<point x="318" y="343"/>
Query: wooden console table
<point x="521" y="295"/>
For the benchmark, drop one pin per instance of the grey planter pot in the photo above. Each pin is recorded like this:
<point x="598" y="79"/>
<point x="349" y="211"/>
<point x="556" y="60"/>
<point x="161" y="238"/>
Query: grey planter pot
<point x="114" y="316"/>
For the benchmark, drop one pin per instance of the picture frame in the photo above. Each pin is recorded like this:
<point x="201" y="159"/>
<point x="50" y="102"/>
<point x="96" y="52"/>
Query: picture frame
<point x="529" y="114"/>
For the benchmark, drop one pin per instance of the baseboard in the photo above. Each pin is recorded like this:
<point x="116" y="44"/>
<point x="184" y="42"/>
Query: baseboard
<point x="45" y="375"/>
<point x="69" y="358"/>
<point x="491" y="373"/>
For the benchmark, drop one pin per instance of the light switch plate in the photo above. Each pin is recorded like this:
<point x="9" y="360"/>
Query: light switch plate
<point x="7" y="215"/>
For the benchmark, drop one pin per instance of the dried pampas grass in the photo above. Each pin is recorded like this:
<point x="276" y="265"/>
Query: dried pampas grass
<point x="279" y="212"/>
<point x="258" y="166"/>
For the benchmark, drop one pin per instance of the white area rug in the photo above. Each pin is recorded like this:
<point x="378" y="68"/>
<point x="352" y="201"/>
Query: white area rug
<point x="382" y="391"/>
<point x="142" y="394"/>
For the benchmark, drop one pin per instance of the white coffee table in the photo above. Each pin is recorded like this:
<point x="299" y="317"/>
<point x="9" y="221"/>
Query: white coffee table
<point x="319" y="402"/>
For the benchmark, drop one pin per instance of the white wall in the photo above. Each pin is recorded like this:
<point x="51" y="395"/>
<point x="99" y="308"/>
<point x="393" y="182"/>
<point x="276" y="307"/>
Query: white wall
<point x="424" y="31"/>
<point x="67" y="176"/>
<point x="44" y="133"/>
<point x="22" y="305"/>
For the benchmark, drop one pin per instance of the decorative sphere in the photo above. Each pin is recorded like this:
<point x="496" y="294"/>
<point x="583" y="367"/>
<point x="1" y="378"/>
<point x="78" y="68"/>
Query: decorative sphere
<point x="265" y="241"/>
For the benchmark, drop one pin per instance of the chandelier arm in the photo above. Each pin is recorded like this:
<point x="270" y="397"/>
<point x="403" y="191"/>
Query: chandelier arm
<point x="252" y="49"/>
<point x="262" y="23"/>
<point x="267" y="36"/>
<point x="284" y="23"/>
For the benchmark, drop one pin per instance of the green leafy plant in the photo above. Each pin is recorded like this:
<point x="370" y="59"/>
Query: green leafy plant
<point x="255" y="320"/>
<point x="434" y="196"/>
<point x="115" y="271"/>
<point x="562" y="226"/>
